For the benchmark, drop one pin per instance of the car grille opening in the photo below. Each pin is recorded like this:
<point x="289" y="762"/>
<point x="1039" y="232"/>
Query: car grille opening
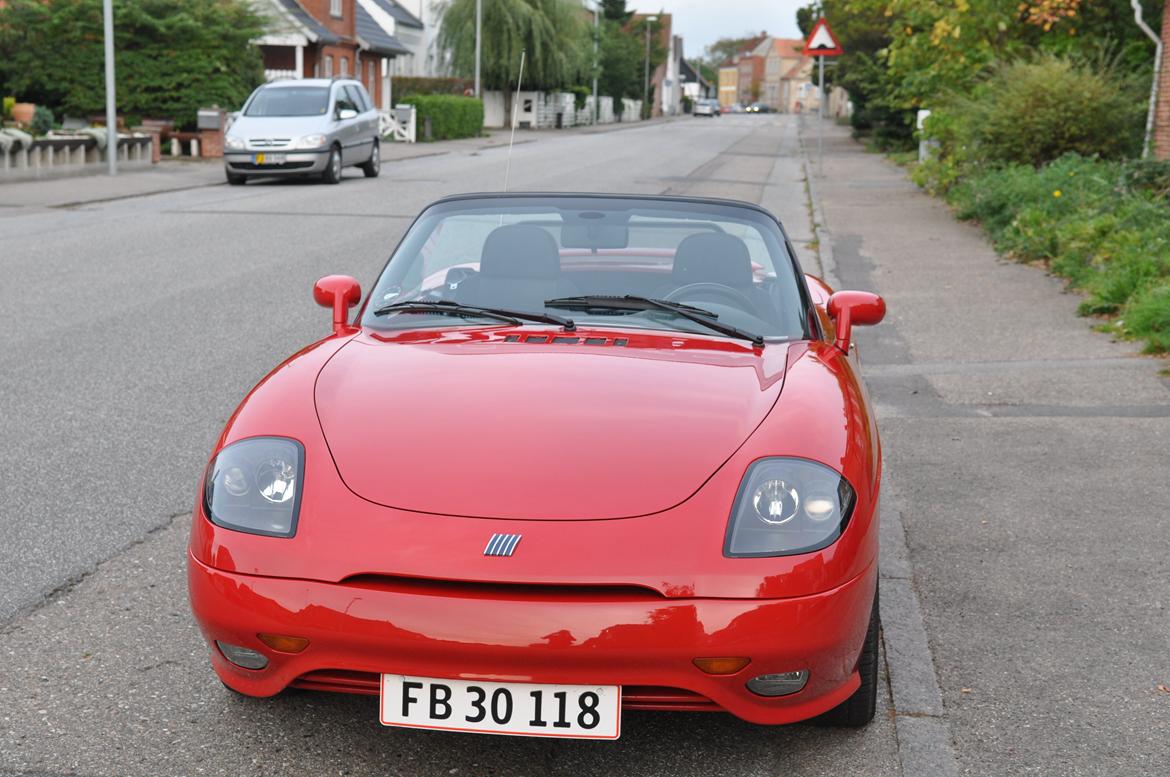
<point x="512" y="591"/>
<point x="634" y="697"/>
<point x="281" y="166"/>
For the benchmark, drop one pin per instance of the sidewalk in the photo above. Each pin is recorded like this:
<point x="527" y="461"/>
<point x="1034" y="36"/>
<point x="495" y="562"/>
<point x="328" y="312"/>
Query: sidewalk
<point x="172" y="175"/>
<point x="1026" y="458"/>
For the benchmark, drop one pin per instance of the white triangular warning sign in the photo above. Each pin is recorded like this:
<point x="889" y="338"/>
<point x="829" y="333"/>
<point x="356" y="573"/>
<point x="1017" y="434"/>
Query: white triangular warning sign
<point x="822" y="42"/>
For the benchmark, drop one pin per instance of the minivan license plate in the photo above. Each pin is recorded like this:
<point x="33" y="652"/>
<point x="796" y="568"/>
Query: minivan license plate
<point x="524" y="709"/>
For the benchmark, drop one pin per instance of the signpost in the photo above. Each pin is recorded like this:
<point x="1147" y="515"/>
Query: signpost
<point x="821" y="43"/>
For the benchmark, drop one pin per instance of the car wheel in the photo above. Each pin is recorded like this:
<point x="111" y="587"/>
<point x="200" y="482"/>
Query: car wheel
<point x="235" y="179"/>
<point x="858" y="709"/>
<point x="374" y="165"/>
<point x="332" y="172"/>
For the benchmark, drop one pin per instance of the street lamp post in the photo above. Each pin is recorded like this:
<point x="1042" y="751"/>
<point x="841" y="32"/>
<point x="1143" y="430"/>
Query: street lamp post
<point x="111" y="114"/>
<point x="596" y="63"/>
<point x="478" y="42"/>
<point x="646" y="86"/>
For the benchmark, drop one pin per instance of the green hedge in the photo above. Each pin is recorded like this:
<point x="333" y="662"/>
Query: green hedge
<point x="172" y="56"/>
<point x="418" y="85"/>
<point x="451" y="117"/>
<point x="1103" y="225"/>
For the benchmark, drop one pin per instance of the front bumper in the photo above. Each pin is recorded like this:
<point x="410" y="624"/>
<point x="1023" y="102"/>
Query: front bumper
<point x="643" y="642"/>
<point x="295" y="162"/>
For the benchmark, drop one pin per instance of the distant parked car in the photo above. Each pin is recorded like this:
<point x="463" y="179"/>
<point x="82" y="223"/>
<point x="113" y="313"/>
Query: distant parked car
<point x="706" y="107"/>
<point x="308" y="127"/>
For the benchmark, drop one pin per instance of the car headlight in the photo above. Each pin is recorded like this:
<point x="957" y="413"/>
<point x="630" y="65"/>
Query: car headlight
<point x="254" y="486"/>
<point x="311" y="141"/>
<point x="788" y="506"/>
<point x="232" y="143"/>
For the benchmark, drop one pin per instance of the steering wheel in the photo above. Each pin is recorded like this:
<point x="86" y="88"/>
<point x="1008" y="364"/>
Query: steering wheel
<point x="735" y="297"/>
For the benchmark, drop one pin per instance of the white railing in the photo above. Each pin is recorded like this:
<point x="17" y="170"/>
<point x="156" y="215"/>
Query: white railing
<point x="278" y="75"/>
<point x="399" y="124"/>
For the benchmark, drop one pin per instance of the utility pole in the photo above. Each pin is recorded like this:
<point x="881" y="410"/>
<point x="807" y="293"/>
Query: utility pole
<point x="478" y="43"/>
<point x="111" y="114"/>
<point x="596" y="61"/>
<point x="646" y="109"/>
<point x="821" y="120"/>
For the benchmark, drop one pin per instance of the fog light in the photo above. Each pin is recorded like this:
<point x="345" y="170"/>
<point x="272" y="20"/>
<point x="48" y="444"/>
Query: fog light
<point x="721" y="665"/>
<point x="242" y="656"/>
<point x="780" y="684"/>
<point x="284" y="643"/>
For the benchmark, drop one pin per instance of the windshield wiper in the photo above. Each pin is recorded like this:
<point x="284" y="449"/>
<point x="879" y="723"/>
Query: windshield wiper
<point x="633" y="303"/>
<point x="450" y="308"/>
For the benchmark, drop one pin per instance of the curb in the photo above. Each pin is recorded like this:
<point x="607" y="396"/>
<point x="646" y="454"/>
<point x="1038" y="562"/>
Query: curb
<point x="925" y="745"/>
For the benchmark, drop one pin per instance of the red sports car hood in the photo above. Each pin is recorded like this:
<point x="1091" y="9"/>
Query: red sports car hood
<point x="469" y="424"/>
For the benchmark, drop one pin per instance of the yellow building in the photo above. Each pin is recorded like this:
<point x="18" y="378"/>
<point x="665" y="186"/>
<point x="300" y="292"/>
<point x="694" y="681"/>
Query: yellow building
<point x="728" y="85"/>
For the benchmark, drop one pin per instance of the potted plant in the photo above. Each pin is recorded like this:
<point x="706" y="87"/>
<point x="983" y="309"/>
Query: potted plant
<point x="22" y="113"/>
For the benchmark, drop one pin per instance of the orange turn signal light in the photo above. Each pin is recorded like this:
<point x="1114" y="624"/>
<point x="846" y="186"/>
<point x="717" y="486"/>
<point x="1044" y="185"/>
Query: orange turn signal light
<point x="283" y="643"/>
<point x="722" y="665"/>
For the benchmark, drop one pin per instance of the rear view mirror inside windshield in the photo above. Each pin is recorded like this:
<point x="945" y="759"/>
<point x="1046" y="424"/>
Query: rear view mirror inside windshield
<point x="595" y="235"/>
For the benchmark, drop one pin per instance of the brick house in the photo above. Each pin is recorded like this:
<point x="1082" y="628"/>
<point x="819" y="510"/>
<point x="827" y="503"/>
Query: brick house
<point x="787" y="76"/>
<point x="327" y="39"/>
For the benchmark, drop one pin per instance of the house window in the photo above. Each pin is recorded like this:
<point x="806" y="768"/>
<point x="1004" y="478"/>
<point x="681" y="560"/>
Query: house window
<point x="335" y="8"/>
<point x="345" y="67"/>
<point x="329" y="66"/>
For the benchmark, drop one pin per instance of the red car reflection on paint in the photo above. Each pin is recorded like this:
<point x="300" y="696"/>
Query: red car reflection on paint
<point x="575" y="455"/>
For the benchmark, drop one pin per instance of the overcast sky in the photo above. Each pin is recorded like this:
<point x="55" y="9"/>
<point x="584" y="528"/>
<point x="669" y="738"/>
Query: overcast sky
<point x="701" y="22"/>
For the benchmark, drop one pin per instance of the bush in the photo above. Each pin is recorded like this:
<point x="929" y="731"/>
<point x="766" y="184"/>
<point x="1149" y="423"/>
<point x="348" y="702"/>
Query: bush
<point x="8" y="103"/>
<point x="451" y="117"/>
<point x="42" y="120"/>
<point x="409" y="85"/>
<point x="1148" y="316"/>
<point x="173" y="56"/>
<point x="1103" y="225"/>
<point x="1032" y="113"/>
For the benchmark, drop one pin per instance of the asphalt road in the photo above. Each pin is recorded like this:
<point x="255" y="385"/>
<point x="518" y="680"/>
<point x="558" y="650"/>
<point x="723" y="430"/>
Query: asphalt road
<point x="131" y="329"/>
<point x="1026" y="460"/>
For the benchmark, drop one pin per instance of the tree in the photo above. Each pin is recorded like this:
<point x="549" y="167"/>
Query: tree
<point x="622" y="56"/>
<point x="615" y="11"/>
<point x="171" y="56"/>
<point x="553" y="33"/>
<point x="725" y="49"/>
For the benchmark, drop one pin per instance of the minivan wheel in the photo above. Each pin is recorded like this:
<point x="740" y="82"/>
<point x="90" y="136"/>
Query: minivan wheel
<point x="332" y="172"/>
<point x="374" y="165"/>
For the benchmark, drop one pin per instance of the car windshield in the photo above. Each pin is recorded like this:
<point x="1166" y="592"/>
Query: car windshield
<point x="530" y="253"/>
<point x="290" y="101"/>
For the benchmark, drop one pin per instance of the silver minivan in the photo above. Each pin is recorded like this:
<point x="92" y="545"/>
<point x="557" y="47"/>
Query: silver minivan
<point x="308" y="127"/>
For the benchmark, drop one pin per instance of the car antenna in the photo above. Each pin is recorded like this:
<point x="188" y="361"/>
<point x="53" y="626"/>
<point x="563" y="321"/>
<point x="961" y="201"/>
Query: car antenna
<point x="512" y="139"/>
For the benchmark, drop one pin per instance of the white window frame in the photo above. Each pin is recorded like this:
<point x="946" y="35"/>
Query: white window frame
<point x="344" y="66"/>
<point x="335" y="9"/>
<point x="329" y="66"/>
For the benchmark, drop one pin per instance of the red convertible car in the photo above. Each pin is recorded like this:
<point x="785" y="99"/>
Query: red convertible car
<point x="575" y="455"/>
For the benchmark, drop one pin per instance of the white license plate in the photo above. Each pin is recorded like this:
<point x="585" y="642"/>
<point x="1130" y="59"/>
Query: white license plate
<point x="524" y="709"/>
<point x="270" y="159"/>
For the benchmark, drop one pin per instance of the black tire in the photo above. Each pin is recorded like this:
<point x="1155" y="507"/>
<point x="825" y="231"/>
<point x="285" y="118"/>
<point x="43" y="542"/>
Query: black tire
<point x="332" y="172"/>
<point x="374" y="165"/>
<point x="235" y="179"/>
<point x="859" y="709"/>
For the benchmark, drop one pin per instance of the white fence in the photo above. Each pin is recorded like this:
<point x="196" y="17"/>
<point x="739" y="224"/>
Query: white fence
<point x="69" y="156"/>
<point x="553" y="110"/>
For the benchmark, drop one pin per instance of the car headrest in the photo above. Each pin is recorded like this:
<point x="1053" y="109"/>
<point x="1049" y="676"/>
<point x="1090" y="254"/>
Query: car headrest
<point x="713" y="257"/>
<point x="520" y="251"/>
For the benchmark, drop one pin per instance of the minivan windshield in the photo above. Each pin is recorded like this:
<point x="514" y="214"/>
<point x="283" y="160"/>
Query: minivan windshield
<point x="290" y="101"/>
<point x="572" y="255"/>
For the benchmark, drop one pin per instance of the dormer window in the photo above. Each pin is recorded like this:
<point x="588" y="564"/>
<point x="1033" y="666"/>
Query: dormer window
<point x="335" y="8"/>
